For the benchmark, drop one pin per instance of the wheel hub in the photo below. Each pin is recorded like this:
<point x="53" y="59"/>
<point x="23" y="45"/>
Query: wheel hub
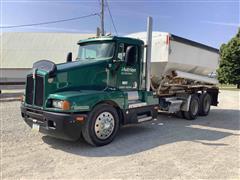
<point x="104" y="125"/>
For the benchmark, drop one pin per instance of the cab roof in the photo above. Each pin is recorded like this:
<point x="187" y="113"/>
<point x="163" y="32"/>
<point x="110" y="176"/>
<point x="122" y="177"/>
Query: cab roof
<point x="113" y="38"/>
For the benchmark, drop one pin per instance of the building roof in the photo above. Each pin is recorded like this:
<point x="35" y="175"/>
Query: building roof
<point x="22" y="49"/>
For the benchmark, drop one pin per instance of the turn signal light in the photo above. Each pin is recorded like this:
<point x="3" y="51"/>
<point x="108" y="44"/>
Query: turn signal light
<point x="65" y="105"/>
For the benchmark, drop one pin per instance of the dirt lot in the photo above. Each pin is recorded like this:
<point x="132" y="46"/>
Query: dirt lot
<point x="208" y="147"/>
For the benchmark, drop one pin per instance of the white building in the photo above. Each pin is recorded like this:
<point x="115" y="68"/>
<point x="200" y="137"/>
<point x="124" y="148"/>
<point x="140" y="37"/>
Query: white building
<point x="19" y="50"/>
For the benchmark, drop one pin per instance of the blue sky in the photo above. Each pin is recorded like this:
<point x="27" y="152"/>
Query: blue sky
<point x="211" y="22"/>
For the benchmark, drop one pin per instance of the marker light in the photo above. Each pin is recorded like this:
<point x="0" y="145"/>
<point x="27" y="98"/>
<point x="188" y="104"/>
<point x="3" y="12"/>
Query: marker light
<point x="80" y="118"/>
<point x="167" y="39"/>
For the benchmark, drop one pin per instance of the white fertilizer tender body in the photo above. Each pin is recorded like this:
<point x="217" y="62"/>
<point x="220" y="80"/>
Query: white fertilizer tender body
<point x="182" y="74"/>
<point x="187" y="58"/>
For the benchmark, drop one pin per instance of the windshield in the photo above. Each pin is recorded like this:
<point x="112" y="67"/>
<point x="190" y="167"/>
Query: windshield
<point x="96" y="51"/>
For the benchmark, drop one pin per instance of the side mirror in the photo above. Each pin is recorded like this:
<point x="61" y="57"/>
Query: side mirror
<point x="69" y="57"/>
<point x="130" y="57"/>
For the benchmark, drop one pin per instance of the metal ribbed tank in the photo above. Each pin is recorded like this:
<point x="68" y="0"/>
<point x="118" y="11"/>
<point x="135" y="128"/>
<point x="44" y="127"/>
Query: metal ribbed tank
<point x="171" y="52"/>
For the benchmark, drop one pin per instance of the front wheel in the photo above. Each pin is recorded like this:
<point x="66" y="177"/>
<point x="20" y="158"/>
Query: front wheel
<point x="192" y="113"/>
<point x="101" y="126"/>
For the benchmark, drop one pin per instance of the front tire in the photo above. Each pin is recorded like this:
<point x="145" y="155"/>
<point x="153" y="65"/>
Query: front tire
<point x="101" y="126"/>
<point x="192" y="113"/>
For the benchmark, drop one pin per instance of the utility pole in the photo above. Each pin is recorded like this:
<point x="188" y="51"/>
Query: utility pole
<point x="102" y="17"/>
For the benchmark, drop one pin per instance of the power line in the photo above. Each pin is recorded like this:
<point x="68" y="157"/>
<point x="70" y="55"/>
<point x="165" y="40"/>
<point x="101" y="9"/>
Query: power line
<point x="111" y="17"/>
<point x="51" y="22"/>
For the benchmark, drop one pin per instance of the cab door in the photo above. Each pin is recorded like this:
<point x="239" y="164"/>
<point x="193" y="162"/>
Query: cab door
<point x="128" y="73"/>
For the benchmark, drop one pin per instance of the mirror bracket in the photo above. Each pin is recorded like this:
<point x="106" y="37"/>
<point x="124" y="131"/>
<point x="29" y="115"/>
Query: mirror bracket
<point x="69" y="57"/>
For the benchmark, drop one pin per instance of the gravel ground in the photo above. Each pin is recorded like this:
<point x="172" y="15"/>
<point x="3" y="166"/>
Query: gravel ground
<point x="207" y="148"/>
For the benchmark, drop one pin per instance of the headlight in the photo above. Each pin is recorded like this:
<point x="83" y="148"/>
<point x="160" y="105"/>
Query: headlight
<point x="61" y="104"/>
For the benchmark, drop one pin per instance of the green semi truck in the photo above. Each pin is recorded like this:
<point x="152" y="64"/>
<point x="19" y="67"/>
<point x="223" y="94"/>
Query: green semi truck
<point x="108" y="85"/>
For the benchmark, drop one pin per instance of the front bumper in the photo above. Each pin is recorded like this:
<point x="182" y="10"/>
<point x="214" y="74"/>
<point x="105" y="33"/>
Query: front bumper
<point x="59" y="125"/>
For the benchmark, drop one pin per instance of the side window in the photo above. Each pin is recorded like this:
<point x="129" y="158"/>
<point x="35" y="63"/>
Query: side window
<point x="122" y="49"/>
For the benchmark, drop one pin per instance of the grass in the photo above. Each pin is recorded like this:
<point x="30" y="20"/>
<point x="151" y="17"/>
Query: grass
<point x="230" y="87"/>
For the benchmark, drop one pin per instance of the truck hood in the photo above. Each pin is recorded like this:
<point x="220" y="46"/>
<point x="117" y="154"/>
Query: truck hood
<point x="75" y="64"/>
<point x="81" y="75"/>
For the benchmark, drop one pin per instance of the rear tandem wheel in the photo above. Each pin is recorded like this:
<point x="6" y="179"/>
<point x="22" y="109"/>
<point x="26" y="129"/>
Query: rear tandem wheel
<point x="205" y="102"/>
<point x="193" y="111"/>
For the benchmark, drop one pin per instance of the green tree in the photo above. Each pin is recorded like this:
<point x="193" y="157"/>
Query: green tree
<point x="229" y="68"/>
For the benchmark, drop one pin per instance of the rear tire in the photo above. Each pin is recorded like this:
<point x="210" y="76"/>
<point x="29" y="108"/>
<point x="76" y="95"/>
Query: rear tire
<point x="101" y="126"/>
<point x="180" y="114"/>
<point x="192" y="113"/>
<point x="205" y="101"/>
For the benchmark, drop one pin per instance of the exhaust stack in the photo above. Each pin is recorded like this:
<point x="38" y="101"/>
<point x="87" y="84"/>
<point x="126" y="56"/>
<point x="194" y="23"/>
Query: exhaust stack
<point x="148" y="53"/>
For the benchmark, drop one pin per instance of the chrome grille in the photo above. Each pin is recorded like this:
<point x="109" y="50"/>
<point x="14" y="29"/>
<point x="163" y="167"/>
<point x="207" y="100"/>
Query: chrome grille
<point x="39" y="87"/>
<point x="29" y="90"/>
<point x="37" y="93"/>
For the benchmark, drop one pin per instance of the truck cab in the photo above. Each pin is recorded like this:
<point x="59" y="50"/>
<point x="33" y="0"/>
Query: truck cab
<point x="92" y="96"/>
